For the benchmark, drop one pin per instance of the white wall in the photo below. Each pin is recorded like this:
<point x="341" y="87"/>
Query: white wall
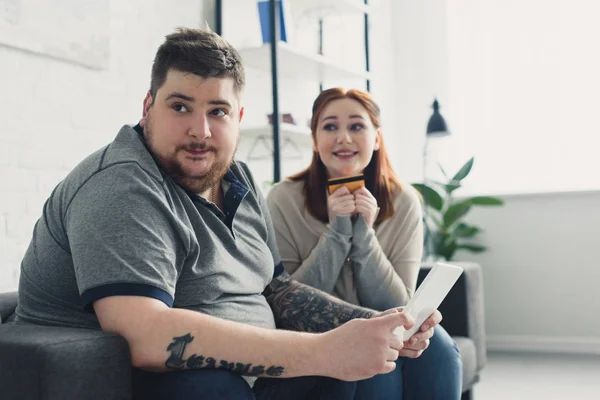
<point x="55" y="113"/>
<point x="523" y="85"/>
<point x="524" y="89"/>
<point x="421" y="63"/>
<point x="542" y="272"/>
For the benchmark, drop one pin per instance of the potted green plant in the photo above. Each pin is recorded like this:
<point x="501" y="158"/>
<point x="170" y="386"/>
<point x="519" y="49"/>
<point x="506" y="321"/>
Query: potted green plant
<point x="445" y="228"/>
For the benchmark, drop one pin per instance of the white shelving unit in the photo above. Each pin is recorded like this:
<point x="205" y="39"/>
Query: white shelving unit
<point x="324" y="8"/>
<point x="295" y="140"/>
<point x="298" y="134"/>
<point x="303" y="66"/>
<point x="297" y="64"/>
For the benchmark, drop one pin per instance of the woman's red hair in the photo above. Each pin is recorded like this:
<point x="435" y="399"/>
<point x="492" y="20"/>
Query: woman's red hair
<point x="380" y="178"/>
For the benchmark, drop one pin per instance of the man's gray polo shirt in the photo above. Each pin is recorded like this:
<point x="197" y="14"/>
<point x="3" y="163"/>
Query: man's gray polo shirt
<point x="117" y="225"/>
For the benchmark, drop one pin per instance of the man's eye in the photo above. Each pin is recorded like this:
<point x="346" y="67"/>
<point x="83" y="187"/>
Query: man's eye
<point x="180" y="108"/>
<point x="329" y="127"/>
<point x="219" y="112"/>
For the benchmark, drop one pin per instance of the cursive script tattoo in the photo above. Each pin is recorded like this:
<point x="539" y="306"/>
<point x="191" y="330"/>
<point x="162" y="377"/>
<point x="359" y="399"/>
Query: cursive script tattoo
<point x="302" y="308"/>
<point x="196" y="361"/>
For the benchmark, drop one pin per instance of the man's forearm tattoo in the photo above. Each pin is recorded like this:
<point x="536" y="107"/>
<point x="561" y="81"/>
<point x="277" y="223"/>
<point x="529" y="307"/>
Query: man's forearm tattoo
<point x="302" y="308"/>
<point x="196" y="361"/>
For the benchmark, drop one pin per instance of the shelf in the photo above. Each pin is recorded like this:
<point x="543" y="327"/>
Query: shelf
<point x="324" y="8"/>
<point x="295" y="141"/>
<point x="298" y="134"/>
<point x="297" y="64"/>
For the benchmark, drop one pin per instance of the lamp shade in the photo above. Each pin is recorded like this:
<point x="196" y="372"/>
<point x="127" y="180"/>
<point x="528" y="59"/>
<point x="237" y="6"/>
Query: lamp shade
<point x="436" y="126"/>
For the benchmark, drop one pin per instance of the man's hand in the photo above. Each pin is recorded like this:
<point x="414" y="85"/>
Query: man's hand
<point x="414" y="347"/>
<point x="340" y="202"/>
<point x="362" y="348"/>
<point x="366" y="204"/>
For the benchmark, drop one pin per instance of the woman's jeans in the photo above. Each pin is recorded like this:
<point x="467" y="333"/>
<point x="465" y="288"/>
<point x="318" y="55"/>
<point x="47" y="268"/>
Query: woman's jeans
<point x="436" y="374"/>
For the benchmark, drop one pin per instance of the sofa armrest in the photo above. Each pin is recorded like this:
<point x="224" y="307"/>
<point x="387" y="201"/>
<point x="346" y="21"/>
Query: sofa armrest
<point x="8" y="303"/>
<point x="462" y="309"/>
<point x="52" y="363"/>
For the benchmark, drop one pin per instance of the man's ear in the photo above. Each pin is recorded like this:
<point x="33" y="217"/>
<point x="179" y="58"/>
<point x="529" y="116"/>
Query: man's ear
<point x="241" y="114"/>
<point x="147" y="104"/>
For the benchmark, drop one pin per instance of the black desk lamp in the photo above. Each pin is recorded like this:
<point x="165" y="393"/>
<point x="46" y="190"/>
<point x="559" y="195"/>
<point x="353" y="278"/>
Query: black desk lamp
<point x="436" y="127"/>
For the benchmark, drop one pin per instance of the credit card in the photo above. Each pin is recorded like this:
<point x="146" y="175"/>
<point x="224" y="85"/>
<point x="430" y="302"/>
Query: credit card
<point x="351" y="182"/>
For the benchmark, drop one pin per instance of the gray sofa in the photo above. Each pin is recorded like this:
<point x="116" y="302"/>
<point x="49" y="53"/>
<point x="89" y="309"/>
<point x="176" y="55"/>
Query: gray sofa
<point x="52" y="363"/>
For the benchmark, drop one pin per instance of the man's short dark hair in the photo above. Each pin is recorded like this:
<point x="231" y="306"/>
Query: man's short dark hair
<point x="198" y="51"/>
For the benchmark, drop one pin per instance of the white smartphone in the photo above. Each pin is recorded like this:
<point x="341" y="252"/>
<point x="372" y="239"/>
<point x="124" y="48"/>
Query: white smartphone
<point x="429" y="296"/>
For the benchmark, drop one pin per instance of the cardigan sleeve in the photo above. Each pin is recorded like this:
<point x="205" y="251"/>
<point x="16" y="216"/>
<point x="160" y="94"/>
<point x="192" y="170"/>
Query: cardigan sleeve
<point x="322" y="267"/>
<point x="388" y="280"/>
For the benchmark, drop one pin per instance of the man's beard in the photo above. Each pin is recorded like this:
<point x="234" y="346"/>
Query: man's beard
<point x="197" y="183"/>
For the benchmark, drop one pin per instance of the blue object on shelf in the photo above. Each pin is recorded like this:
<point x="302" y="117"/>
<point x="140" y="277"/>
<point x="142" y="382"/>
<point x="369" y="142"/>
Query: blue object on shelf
<point x="265" y="26"/>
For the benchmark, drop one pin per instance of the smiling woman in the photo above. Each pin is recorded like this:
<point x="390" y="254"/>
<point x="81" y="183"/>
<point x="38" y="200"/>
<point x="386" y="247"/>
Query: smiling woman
<point x="347" y="140"/>
<point x="345" y="137"/>
<point x="365" y="245"/>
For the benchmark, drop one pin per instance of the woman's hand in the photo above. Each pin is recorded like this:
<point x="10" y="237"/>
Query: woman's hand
<point x="340" y="202"/>
<point x="366" y="204"/>
<point x="418" y="342"/>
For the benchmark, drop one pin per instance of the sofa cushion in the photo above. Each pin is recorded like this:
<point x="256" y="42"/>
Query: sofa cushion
<point x="52" y="363"/>
<point x="8" y="302"/>
<point x="469" y="360"/>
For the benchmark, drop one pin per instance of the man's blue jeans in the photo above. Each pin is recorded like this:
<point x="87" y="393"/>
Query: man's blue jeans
<point x="437" y="374"/>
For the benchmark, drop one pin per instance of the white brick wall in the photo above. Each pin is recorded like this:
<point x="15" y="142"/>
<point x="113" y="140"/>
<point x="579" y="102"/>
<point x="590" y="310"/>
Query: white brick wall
<point x="54" y="113"/>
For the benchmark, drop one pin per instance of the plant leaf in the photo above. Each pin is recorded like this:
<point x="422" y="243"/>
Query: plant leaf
<point x="455" y="212"/>
<point x="449" y="187"/>
<point x="464" y="171"/>
<point x="463" y="230"/>
<point x="486" y="201"/>
<point x="472" y="247"/>
<point x="452" y="186"/>
<point x="449" y="240"/>
<point x="430" y="196"/>
<point x="435" y="219"/>
<point x="440" y="184"/>
<point x="447" y="251"/>
<point x="443" y="171"/>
